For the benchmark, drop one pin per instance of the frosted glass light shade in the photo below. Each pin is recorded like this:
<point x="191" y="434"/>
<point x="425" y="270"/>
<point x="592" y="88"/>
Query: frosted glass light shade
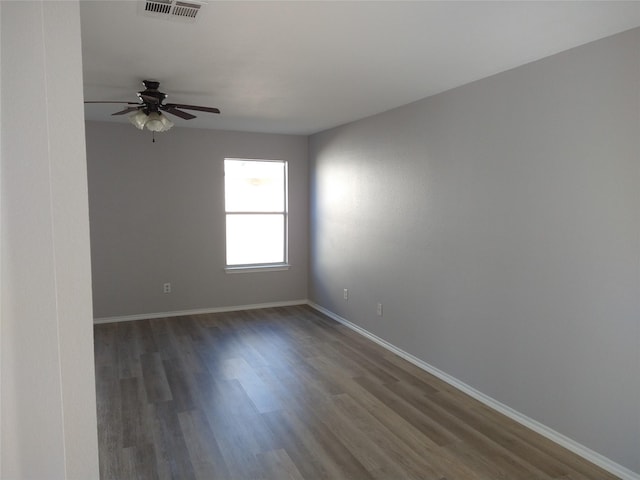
<point x="166" y="123"/>
<point x="155" y="121"/>
<point x="138" y="118"/>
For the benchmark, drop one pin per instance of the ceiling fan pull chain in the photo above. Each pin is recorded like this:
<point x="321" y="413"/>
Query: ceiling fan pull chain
<point x="153" y="136"/>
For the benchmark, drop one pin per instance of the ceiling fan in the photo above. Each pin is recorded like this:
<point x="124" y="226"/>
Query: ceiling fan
<point x="147" y="112"/>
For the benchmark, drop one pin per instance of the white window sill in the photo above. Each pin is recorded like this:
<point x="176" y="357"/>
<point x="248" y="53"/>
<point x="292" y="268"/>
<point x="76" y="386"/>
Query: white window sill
<point x="258" y="268"/>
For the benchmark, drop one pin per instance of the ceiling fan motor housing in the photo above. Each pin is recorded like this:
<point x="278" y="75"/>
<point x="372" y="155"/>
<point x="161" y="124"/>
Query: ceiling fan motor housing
<point x="151" y="84"/>
<point x="151" y="96"/>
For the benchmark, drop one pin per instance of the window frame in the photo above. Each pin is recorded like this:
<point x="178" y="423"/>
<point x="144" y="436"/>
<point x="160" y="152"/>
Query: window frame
<point x="268" y="266"/>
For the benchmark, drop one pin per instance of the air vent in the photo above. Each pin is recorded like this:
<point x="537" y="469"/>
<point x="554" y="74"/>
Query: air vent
<point x="183" y="9"/>
<point x="158" y="6"/>
<point x="172" y="9"/>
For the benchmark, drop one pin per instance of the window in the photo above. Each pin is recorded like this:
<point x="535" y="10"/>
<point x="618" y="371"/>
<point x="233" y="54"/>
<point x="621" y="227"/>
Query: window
<point x="255" y="193"/>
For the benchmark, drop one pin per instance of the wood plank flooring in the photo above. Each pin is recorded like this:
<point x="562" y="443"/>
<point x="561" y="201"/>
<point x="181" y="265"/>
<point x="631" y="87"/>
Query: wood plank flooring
<point x="287" y="393"/>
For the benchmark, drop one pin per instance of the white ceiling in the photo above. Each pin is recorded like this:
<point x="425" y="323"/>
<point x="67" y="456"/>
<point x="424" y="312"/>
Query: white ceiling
<point x="301" y="67"/>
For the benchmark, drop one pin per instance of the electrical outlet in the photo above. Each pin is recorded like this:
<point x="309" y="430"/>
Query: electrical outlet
<point x="345" y="294"/>
<point x="166" y="288"/>
<point x="379" y="309"/>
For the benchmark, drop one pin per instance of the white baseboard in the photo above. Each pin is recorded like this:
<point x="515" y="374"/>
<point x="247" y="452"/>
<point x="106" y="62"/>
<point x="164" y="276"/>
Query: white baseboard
<point x="568" y="443"/>
<point x="180" y="313"/>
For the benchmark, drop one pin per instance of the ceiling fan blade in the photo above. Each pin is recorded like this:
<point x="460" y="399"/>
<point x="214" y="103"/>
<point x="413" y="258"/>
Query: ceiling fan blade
<point x="178" y="113"/>
<point x="126" y="110"/>
<point x="112" y="101"/>
<point x="193" y="107"/>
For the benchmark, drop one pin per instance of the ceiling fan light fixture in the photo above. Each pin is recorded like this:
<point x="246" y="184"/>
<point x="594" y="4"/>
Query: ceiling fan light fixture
<point x="138" y="119"/>
<point x="156" y="122"/>
<point x="166" y="123"/>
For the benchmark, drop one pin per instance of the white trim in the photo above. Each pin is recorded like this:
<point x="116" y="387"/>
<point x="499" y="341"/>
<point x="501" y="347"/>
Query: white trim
<point x="181" y="313"/>
<point x="577" y="448"/>
<point x="280" y="267"/>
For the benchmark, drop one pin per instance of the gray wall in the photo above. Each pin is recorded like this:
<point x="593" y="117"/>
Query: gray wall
<point x="499" y="225"/>
<point x="48" y="427"/>
<point x="157" y="215"/>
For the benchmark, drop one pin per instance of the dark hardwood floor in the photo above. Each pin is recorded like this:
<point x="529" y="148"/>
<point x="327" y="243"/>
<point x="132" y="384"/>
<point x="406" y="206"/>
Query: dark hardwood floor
<point x="286" y="393"/>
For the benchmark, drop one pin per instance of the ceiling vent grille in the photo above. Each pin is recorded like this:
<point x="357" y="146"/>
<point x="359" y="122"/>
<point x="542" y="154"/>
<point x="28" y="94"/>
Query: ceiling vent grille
<point x="183" y="9"/>
<point x="172" y="9"/>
